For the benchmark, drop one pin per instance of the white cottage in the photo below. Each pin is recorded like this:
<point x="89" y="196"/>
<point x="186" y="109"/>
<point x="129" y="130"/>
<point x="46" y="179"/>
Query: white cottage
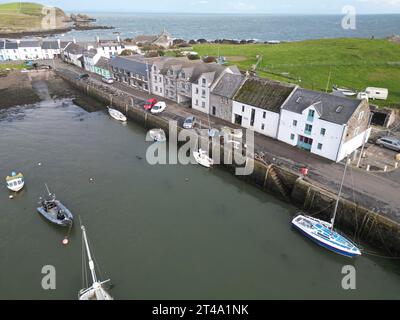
<point x="330" y="126"/>
<point x="257" y="105"/>
<point x="30" y="50"/>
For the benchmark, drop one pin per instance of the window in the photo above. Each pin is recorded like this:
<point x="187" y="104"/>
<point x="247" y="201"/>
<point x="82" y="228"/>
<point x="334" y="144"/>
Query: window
<point x="214" y="110"/>
<point x="203" y="81"/>
<point x="319" y="146"/>
<point x="292" y="136"/>
<point x="294" y="123"/>
<point x="323" y="131"/>
<point x="197" y="90"/>
<point x="197" y="102"/>
<point x="262" y="126"/>
<point x="308" y="128"/>
<point x="361" y="115"/>
<point x="264" y="115"/>
<point x="203" y="93"/>
<point x="203" y="104"/>
<point x="242" y="108"/>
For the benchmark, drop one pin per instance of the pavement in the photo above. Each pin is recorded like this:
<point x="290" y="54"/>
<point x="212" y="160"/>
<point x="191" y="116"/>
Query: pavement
<point x="377" y="191"/>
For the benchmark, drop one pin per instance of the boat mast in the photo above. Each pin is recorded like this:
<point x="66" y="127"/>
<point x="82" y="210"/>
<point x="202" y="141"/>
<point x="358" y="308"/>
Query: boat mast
<point x="340" y="193"/>
<point x="91" y="264"/>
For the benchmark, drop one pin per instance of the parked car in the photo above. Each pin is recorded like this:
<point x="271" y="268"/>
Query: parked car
<point x="150" y="103"/>
<point x="389" y="143"/>
<point x="108" y="80"/>
<point x="188" y="123"/>
<point x="159" y="107"/>
<point x="82" y="76"/>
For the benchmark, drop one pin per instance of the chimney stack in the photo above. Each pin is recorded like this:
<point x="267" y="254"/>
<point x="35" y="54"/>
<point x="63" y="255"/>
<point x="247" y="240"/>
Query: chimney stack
<point x="118" y="39"/>
<point x="74" y="40"/>
<point x="97" y="39"/>
<point x="59" y="43"/>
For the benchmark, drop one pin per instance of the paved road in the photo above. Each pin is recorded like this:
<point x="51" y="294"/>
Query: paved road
<point x="379" y="192"/>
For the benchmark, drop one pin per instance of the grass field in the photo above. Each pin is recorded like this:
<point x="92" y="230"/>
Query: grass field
<point x="24" y="16"/>
<point x="4" y="66"/>
<point x="353" y="63"/>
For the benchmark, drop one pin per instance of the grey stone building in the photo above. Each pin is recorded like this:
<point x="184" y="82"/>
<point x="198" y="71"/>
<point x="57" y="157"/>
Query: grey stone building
<point x="222" y="93"/>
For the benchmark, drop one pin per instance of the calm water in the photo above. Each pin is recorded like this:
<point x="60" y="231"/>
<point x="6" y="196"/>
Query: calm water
<point x="163" y="232"/>
<point x="259" y="27"/>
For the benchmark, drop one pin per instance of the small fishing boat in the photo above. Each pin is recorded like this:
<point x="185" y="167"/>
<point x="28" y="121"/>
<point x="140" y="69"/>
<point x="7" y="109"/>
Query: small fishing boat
<point x="345" y="91"/>
<point x="116" y="114"/>
<point x="203" y="159"/>
<point x="96" y="291"/>
<point x="158" y="135"/>
<point x="16" y="182"/>
<point x="54" y="211"/>
<point x="323" y="233"/>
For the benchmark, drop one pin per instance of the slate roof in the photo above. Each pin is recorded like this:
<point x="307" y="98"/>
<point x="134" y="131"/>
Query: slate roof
<point x="103" y="63"/>
<point x="50" y="45"/>
<point x="264" y="93"/>
<point x="145" y="39"/>
<point x="29" y="44"/>
<point x="11" y="45"/>
<point x="330" y="108"/>
<point x="90" y="53"/>
<point x="133" y="65"/>
<point x="228" y="85"/>
<point x="74" y="49"/>
<point x="210" y="70"/>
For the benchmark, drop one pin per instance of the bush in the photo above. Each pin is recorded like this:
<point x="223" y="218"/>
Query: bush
<point x="193" y="57"/>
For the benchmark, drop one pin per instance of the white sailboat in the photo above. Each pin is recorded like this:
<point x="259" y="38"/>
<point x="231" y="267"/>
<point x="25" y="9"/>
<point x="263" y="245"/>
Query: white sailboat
<point x="203" y="159"/>
<point x="96" y="291"/>
<point x="323" y="233"/>
<point x="116" y="114"/>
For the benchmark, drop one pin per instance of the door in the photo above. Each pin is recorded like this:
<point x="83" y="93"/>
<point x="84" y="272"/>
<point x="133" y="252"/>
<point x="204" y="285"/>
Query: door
<point x="253" y="117"/>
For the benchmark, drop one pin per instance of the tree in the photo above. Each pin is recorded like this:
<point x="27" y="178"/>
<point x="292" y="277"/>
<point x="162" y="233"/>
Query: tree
<point x="128" y="52"/>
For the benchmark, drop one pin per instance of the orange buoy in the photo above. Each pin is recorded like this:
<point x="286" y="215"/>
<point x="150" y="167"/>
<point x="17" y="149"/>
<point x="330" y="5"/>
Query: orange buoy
<point x="65" y="242"/>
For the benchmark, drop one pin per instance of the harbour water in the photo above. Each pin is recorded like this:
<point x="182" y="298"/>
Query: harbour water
<point x="159" y="232"/>
<point x="260" y="27"/>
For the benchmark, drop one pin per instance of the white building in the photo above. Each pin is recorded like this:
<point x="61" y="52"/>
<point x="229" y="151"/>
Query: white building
<point x="30" y="50"/>
<point x="90" y="59"/>
<point x="329" y="126"/>
<point x="2" y="52"/>
<point x="113" y="48"/>
<point x="204" y="77"/>
<point x="10" y="51"/>
<point x="257" y="105"/>
<point x="51" y="49"/>
<point x="73" y="53"/>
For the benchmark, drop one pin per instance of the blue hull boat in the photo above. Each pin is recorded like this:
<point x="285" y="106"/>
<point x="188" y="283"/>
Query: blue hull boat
<point x="321" y="233"/>
<point x="56" y="212"/>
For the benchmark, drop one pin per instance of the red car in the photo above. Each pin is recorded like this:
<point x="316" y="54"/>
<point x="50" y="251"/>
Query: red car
<point x="150" y="103"/>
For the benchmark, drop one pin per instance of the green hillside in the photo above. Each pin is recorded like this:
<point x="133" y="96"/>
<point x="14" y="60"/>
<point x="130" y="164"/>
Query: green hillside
<point x="25" y="17"/>
<point x="353" y="63"/>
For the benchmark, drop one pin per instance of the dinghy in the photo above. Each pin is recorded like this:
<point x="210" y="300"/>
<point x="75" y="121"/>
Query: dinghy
<point x="158" y="135"/>
<point x="54" y="211"/>
<point x="345" y="91"/>
<point x="323" y="233"/>
<point x="96" y="291"/>
<point x="203" y="159"/>
<point x="116" y="114"/>
<point x="16" y="182"/>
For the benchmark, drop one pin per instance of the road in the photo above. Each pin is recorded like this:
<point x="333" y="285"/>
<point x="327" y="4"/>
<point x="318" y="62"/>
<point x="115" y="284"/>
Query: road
<point x="378" y="192"/>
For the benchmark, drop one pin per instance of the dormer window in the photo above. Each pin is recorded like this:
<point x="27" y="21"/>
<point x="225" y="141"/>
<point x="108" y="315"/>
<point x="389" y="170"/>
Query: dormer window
<point x="339" y="109"/>
<point x="298" y="100"/>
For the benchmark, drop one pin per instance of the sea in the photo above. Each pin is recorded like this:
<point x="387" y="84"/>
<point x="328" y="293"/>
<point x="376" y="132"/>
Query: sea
<point x="260" y="27"/>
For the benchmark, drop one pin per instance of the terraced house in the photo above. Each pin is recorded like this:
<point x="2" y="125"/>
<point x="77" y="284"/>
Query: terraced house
<point x="324" y="124"/>
<point x="133" y="71"/>
<point x="257" y="105"/>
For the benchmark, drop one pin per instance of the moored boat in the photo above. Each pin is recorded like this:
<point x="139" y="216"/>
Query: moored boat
<point x="203" y="159"/>
<point x="158" y="135"/>
<point x="54" y="211"/>
<point x="323" y="233"/>
<point x="15" y="182"/>
<point x="115" y="114"/>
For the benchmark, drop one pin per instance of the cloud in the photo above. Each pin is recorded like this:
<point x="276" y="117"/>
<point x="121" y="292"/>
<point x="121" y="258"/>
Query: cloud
<point x="242" y="6"/>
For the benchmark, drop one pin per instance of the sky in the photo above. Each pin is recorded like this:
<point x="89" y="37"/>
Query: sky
<point x="227" y="6"/>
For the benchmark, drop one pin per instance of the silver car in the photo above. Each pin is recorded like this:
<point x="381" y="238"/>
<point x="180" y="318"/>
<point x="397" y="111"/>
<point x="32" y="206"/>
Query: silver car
<point x="389" y="143"/>
<point x="188" y="123"/>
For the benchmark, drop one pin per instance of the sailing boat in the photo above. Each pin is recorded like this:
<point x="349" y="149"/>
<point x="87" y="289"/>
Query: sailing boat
<point x="323" y="233"/>
<point x="96" y="291"/>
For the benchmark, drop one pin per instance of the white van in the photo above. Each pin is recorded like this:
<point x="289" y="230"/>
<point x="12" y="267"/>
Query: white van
<point x="377" y="93"/>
